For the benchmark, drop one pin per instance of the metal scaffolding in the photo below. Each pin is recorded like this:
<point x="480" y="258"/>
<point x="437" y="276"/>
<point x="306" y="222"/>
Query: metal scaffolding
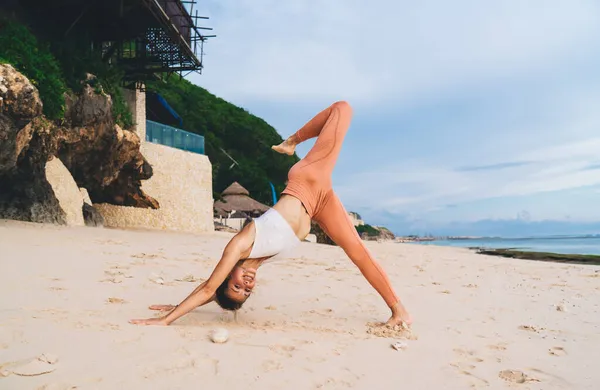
<point x="145" y="37"/>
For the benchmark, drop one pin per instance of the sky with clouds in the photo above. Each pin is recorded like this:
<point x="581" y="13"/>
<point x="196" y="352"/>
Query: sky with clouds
<point x="465" y="112"/>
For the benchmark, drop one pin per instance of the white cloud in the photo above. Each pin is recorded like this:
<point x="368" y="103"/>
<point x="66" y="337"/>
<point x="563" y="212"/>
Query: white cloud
<point x="423" y="188"/>
<point x="372" y="51"/>
<point x="387" y="55"/>
<point x="575" y="151"/>
<point x="556" y="141"/>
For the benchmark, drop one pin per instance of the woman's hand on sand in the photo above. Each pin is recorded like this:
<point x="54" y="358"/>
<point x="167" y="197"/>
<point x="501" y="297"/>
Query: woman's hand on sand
<point x="154" y="321"/>
<point x="162" y="307"/>
<point x="150" y="321"/>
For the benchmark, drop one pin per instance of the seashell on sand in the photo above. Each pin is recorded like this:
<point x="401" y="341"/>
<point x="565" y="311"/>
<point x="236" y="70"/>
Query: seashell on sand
<point x="219" y="335"/>
<point x="399" y="345"/>
<point x="156" y="279"/>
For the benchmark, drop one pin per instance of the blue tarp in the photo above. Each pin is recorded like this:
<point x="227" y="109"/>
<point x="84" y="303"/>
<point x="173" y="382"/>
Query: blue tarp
<point x="170" y="109"/>
<point x="160" y="110"/>
<point x="273" y="192"/>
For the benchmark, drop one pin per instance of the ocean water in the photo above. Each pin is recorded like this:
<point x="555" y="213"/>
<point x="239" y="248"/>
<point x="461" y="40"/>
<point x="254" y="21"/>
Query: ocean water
<point x="568" y="245"/>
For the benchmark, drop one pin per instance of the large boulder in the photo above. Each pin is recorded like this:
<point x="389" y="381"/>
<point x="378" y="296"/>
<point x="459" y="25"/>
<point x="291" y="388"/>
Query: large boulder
<point x="99" y="155"/>
<point x="102" y="157"/>
<point x="66" y="192"/>
<point x="91" y="215"/>
<point x="25" y="147"/>
<point x="19" y="104"/>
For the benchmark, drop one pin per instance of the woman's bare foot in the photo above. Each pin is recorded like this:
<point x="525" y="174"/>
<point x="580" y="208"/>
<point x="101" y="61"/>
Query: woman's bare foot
<point x="397" y="320"/>
<point x="286" y="147"/>
<point x="400" y="316"/>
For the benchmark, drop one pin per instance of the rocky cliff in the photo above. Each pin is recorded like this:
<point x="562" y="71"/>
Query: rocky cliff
<point x="101" y="157"/>
<point x="375" y="233"/>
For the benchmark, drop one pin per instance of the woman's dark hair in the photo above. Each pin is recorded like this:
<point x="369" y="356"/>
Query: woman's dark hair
<point x="223" y="300"/>
<point x="246" y="222"/>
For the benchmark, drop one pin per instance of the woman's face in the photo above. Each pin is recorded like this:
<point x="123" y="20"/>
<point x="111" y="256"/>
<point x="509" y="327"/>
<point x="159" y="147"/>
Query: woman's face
<point x="241" y="283"/>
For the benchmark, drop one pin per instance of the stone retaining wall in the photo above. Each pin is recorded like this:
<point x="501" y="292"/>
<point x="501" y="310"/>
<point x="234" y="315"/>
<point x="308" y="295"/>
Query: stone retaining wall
<point x="136" y="100"/>
<point x="182" y="184"/>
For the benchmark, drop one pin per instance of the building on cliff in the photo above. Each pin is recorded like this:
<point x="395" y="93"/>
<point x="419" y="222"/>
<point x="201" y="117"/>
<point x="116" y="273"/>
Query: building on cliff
<point x="182" y="180"/>
<point x="167" y="184"/>
<point x="356" y="218"/>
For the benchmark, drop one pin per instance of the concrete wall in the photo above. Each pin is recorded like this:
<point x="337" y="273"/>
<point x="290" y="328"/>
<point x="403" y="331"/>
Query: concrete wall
<point x="136" y="101"/>
<point x="182" y="184"/>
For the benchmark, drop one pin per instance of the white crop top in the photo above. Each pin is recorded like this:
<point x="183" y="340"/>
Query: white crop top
<point x="273" y="235"/>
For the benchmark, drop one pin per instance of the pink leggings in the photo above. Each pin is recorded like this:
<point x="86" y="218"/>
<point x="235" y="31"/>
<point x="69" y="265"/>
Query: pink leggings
<point x="310" y="181"/>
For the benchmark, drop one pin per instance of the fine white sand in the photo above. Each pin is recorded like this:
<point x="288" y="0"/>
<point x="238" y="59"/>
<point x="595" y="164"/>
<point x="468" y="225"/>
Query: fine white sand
<point x="67" y="295"/>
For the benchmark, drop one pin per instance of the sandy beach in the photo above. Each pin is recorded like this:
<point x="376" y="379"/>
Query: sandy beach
<point x="68" y="293"/>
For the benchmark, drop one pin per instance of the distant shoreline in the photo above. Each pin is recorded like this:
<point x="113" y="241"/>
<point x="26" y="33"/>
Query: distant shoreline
<point x="500" y="238"/>
<point x="540" y="256"/>
<point x="563" y="245"/>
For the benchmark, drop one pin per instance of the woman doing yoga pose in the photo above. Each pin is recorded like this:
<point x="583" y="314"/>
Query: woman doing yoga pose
<point x="307" y="196"/>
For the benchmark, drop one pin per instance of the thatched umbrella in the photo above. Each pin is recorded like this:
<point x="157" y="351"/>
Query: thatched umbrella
<point x="237" y="198"/>
<point x="219" y="213"/>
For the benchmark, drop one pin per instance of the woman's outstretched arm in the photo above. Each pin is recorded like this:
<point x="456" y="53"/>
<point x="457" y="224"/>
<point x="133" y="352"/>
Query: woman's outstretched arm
<point x="171" y="307"/>
<point x="237" y="247"/>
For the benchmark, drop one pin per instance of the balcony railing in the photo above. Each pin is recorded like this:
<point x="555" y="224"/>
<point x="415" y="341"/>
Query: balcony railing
<point x="174" y="137"/>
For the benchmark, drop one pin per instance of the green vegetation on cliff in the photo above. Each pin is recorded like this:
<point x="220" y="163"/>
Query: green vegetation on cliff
<point x="541" y="256"/>
<point x="57" y="67"/>
<point x="367" y="229"/>
<point x="229" y="128"/>
<point x="20" y="48"/>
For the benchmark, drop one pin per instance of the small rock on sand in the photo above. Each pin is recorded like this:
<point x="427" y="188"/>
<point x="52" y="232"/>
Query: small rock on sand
<point x="156" y="279"/>
<point x="399" y="345"/>
<point x="219" y="335"/>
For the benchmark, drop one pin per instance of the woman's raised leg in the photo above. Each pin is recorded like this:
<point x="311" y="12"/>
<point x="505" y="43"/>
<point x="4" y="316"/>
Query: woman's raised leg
<point x="330" y="126"/>
<point x="336" y="223"/>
